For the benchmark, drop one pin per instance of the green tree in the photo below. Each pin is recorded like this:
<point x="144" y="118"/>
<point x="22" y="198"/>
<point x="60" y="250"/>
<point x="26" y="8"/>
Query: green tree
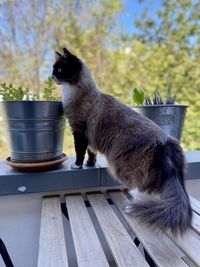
<point x="88" y="28"/>
<point x="166" y="53"/>
<point x="30" y="31"/>
<point x="163" y="52"/>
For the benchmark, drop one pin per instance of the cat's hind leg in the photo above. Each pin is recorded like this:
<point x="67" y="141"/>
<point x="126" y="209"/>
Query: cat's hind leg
<point x="91" y="158"/>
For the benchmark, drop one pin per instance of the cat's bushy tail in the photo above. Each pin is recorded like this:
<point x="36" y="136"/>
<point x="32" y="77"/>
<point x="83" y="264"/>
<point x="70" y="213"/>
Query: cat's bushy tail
<point x="172" y="212"/>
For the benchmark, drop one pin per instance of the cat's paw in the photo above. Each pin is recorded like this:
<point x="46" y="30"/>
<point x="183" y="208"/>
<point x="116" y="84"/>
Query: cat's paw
<point x="74" y="166"/>
<point x="128" y="208"/>
<point x="90" y="163"/>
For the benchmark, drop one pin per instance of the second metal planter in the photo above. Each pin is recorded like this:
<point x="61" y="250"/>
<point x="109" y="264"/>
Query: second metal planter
<point x="169" y="117"/>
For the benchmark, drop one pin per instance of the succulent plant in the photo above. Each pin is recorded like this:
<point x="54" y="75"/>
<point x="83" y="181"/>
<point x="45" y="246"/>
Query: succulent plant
<point x="141" y="98"/>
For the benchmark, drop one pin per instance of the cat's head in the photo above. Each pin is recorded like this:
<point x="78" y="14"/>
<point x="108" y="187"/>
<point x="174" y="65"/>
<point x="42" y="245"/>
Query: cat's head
<point x="67" y="67"/>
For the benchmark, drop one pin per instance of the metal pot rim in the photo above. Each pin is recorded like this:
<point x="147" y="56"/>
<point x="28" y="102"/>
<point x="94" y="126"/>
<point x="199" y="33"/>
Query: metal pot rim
<point x="28" y="101"/>
<point x="158" y="106"/>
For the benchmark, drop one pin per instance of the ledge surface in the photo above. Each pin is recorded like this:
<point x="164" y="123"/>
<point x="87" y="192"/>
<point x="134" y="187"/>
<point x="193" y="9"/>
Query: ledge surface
<point x="65" y="178"/>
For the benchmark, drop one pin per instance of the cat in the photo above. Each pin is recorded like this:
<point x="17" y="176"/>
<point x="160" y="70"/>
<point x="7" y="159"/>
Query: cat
<point x="139" y="153"/>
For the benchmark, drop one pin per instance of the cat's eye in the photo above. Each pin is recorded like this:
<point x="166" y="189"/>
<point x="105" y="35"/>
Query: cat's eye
<point x="59" y="70"/>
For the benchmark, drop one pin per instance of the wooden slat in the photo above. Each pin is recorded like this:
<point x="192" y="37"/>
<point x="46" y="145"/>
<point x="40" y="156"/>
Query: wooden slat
<point x="190" y="245"/>
<point x="52" y="249"/>
<point x="195" y="204"/>
<point x="196" y="222"/>
<point x="151" y="241"/>
<point x="123" y="248"/>
<point x="88" y="248"/>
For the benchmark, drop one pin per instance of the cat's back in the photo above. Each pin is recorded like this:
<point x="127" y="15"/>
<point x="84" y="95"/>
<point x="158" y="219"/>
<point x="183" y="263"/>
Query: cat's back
<point x="124" y="122"/>
<point x="113" y="109"/>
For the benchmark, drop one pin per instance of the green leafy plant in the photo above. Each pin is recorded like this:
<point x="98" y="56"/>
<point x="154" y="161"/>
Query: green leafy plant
<point x="11" y="92"/>
<point x="140" y="98"/>
<point x="48" y="91"/>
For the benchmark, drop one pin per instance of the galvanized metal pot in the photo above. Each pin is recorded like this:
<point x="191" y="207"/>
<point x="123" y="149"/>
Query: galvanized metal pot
<point x="169" y="117"/>
<point x="35" y="129"/>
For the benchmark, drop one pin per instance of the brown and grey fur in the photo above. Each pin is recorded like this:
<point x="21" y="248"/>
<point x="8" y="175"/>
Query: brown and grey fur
<point x="140" y="154"/>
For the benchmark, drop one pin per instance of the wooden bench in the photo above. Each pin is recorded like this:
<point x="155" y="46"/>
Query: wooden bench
<point x="21" y="200"/>
<point x="100" y="234"/>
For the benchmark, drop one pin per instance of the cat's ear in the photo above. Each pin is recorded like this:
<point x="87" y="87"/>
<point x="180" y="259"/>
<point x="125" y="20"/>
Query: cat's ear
<point x="57" y="55"/>
<point x="66" y="52"/>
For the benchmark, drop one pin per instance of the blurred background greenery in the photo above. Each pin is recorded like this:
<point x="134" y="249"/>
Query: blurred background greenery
<point x="145" y="43"/>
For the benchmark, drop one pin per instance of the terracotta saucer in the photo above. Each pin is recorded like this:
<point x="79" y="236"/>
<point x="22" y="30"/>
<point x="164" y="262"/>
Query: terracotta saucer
<point x="37" y="166"/>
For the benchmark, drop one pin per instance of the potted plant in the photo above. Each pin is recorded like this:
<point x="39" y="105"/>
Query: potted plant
<point x="166" y="114"/>
<point x="35" y="127"/>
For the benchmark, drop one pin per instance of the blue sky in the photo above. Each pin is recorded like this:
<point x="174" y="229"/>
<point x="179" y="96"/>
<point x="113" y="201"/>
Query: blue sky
<point x="136" y="8"/>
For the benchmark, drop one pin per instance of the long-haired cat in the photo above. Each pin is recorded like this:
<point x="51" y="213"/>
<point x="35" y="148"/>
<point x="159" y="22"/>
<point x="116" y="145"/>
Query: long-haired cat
<point x="139" y="153"/>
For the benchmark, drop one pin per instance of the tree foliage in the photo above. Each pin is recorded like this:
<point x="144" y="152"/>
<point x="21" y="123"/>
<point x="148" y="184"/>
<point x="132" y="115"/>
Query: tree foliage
<point x="173" y="39"/>
<point x="163" y="53"/>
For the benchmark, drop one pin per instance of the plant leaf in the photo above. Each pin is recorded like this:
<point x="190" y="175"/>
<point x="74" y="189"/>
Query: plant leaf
<point x="138" y="96"/>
